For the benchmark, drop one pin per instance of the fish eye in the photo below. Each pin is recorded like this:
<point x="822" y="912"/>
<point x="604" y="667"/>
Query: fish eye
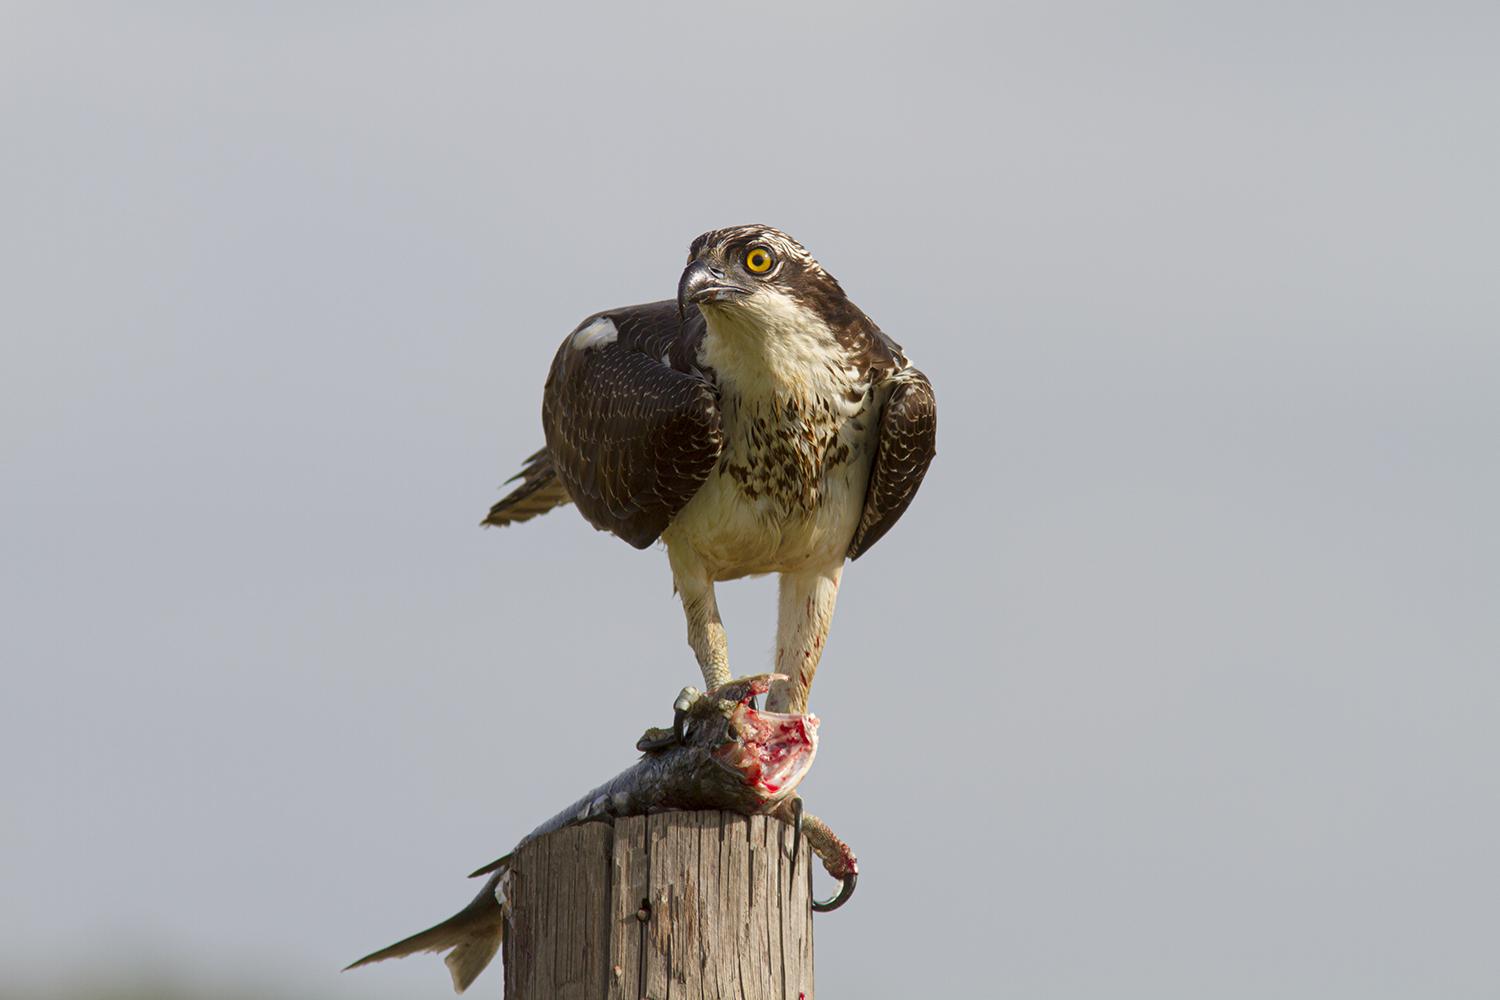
<point x="758" y="260"/>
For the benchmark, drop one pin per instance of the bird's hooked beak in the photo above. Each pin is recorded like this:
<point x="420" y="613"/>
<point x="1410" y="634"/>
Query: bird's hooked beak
<point x="704" y="281"/>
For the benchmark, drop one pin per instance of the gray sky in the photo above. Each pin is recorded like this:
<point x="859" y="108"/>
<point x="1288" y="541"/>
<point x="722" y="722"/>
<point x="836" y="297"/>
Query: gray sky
<point x="1178" y="680"/>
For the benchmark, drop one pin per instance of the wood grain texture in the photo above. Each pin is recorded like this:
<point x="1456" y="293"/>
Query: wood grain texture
<point x="557" y="938"/>
<point x="673" y="906"/>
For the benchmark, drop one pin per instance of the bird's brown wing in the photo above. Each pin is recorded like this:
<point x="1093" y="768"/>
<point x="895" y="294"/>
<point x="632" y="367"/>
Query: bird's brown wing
<point x="632" y="425"/>
<point x="908" y="442"/>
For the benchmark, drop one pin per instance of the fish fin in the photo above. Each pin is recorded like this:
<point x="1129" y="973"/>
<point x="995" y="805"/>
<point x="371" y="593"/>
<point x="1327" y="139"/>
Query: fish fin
<point x="469" y="959"/>
<point x="492" y="866"/>
<point x="473" y="934"/>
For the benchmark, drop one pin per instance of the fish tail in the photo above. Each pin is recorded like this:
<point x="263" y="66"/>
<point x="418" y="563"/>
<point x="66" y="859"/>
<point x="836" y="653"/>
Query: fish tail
<point x="473" y="934"/>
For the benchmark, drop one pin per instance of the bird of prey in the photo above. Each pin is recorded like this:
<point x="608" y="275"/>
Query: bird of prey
<point x="761" y="423"/>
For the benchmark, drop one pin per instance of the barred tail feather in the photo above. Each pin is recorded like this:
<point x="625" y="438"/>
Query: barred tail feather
<point x="473" y="934"/>
<point x="539" y="492"/>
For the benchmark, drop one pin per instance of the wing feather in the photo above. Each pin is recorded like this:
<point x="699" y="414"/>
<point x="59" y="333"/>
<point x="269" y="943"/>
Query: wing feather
<point x="632" y="425"/>
<point x="908" y="442"/>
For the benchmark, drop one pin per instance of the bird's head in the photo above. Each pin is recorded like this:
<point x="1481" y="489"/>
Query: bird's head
<point x="747" y="272"/>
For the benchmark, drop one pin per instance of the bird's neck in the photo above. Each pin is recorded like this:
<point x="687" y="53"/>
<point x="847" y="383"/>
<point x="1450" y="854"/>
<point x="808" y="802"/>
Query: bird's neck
<point x="772" y="352"/>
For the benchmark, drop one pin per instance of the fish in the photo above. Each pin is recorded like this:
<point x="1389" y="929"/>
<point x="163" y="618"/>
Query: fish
<point x="727" y="755"/>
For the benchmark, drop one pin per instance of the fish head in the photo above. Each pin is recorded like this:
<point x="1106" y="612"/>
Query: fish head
<point x="770" y="751"/>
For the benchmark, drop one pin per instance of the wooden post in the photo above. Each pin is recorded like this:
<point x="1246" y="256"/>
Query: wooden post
<point x="691" y="904"/>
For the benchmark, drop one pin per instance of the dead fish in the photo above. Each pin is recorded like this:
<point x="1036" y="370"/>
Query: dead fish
<point x="730" y="756"/>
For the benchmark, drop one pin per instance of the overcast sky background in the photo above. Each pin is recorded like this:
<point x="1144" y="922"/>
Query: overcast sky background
<point x="1179" y="680"/>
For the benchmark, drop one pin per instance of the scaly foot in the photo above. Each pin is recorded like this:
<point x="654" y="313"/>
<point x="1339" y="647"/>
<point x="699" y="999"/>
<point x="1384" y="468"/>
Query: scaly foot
<point x="838" y="860"/>
<point x="691" y="702"/>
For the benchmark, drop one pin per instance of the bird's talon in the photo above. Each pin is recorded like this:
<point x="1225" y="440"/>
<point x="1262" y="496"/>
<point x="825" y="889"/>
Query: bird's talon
<point x="838" y="860"/>
<point x="686" y="698"/>
<point x="796" y="831"/>
<point x="846" y="889"/>
<point x="656" y="738"/>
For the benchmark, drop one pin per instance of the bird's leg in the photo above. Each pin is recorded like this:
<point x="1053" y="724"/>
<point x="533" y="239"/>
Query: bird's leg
<point x="706" y="637"/>
<point x="806" y="612"/>
<point x="706" y="633"/>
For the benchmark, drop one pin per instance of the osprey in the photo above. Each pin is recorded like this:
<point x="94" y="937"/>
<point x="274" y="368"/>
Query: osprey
<point x="760" y="423"/>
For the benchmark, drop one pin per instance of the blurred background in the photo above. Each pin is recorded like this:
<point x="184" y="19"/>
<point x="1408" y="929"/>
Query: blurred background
<point x="1178" y="680"/>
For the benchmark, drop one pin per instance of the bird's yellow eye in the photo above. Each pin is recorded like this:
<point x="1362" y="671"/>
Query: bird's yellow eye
<point x="758" y="260"/>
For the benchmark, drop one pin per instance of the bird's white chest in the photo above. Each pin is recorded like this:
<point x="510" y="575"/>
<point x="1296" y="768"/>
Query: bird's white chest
<point x="789" y="487"/>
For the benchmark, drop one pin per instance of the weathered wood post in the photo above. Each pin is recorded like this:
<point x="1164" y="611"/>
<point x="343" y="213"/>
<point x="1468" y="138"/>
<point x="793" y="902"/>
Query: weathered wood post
<point x="695" y="904"/>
